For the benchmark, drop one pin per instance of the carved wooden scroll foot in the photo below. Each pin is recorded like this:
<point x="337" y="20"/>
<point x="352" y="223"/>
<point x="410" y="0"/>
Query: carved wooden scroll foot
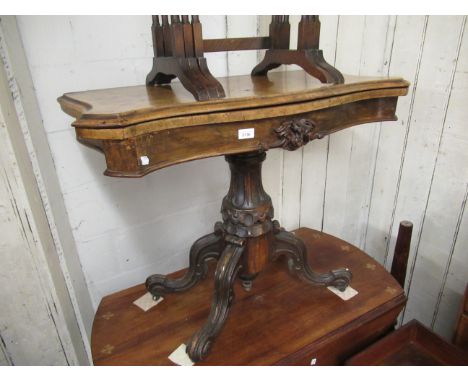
<point x="207" y="247"/>
<point x="178" y="52"/>
<point x="293" y="247"/>
<point x="192" y="72"/>
<point x="199" y="345"/>
<point x="310" y="60"/>
<point x="307" y="55"/>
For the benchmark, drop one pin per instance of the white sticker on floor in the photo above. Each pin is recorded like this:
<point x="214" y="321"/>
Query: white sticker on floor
<point x="346" y="294"/>
<point x="146" y="301"/>
<point x="180" y="357"/>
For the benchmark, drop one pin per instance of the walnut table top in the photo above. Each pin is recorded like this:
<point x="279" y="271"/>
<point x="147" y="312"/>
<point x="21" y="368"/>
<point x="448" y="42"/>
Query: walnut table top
<point x="141" y="129"/>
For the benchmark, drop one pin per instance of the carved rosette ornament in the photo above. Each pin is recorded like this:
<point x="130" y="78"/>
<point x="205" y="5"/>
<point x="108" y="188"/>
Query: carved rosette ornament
<point x="296" y="132"/>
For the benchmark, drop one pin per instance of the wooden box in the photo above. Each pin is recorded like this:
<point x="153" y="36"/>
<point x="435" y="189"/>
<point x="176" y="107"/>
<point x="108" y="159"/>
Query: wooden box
<point x="411" y="345"/>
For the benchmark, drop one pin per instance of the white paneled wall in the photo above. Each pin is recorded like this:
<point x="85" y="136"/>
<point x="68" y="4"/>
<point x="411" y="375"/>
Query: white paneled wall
<point x="29" y="333"/>
<point x="357" y="184"/>
<point x="124" y="229"/>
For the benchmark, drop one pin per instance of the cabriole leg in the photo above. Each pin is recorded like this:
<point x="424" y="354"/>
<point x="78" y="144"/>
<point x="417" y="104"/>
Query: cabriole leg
<point x="207" y="247"/>
<point x="293" y="247"/>
<point x="228" y="265"/>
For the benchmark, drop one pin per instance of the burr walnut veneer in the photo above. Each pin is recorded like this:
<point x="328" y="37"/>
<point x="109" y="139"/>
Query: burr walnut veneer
<point x="168" y="126"/>
<point x="141" y="129"/>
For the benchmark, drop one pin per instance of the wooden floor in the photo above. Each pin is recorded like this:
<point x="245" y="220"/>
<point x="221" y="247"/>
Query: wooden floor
<point x="282" y="320"/>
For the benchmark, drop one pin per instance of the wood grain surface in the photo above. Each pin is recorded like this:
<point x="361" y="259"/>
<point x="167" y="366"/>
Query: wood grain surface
<point x="280" y="321"/>
<point x="411" y="345"/>
<point x="119" y="107"/>
<point x="165" y="126"/>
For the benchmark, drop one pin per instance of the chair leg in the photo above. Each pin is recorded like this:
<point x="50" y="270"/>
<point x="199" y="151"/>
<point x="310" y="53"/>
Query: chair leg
<point x="402" y="248"/>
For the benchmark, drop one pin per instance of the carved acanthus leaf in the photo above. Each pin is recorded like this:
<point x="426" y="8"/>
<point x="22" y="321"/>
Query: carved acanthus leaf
<point x="295" y="133"/>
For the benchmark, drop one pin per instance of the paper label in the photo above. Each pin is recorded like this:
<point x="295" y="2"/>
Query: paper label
<point x="246" y="133"/>
<point x="346" y="294"/>
<point x="146" y="301"/>
<point x="180" y="357"/>
<point x="144" y="160"/>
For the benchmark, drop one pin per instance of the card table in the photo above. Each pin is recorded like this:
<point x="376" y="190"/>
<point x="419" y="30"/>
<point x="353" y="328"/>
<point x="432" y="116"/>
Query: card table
<point x="141" y="129"/>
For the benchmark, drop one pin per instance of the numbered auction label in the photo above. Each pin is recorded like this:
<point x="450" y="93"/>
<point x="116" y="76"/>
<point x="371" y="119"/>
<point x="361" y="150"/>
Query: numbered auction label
<point x="246" y="133"/>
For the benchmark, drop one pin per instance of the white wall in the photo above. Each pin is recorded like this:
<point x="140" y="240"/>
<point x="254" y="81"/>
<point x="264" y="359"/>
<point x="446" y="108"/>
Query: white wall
<point x="38" y="325"/>
<point x="124" y="229"/>
<point x="358" y="184"/>
<point x="20" y="260"/>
